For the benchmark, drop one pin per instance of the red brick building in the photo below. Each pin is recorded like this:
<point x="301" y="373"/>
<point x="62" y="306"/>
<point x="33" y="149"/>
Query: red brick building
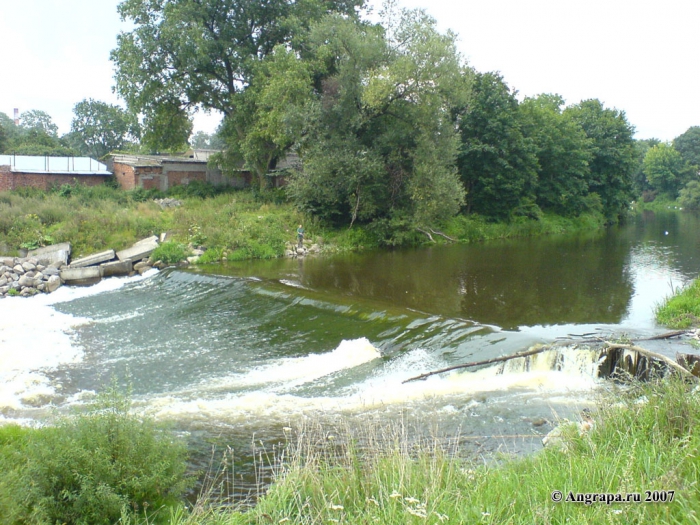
<point x="162" y="172"/>
<point x="18" y="171"/>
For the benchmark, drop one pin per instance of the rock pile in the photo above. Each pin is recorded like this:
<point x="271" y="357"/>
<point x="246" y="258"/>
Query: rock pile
<point x="309" y="247"/>
<point x="27" y="276"/>
<point x="46" y="269"/>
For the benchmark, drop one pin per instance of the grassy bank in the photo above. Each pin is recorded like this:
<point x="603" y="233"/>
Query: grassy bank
<point x="682" y="309"/>
<point x="645" y="440"/>
<point x="109" y="466"/>
<point x="232" y="225"/>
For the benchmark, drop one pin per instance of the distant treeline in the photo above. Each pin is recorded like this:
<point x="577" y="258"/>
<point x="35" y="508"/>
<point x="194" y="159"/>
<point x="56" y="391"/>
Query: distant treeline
<point x="393" y="128"/>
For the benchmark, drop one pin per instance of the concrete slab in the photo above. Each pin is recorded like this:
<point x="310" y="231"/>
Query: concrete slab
<point x="56" y="253"/>
<point x="92" y="260"/>
<point x="152" y="238"/>
<point x="116" y="268"/>
<point x="81" y="276"/>
<point x="137" y="252"/>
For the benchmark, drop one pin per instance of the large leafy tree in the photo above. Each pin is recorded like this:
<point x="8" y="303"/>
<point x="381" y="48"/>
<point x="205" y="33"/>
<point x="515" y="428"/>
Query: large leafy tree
<point x="99" y="128"/>
<point x="563" y="154"/>
<point x="38" y="120"/>
<point x="184" y="55"/>
<point x="665" y="169"/>
<point x="378" y="140"/>
<point x="614" y="155"/>
<point x="640" y="184"/>
<point x="688" y="145"/>
<point x="497" y="163"/>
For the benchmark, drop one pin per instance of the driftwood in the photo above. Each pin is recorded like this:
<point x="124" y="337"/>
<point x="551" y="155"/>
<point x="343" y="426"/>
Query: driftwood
<point x="647" y="355"/>
<point x="667" y="335"/>
<point x="478" y="363"/>
<point x="438" y="232"/>
<point x="425" y="232"/>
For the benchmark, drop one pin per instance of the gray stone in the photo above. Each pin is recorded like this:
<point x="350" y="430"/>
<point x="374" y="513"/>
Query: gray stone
<point x="14" y="277"/>
<point x="14" y="285"/>
<point x="40" y="267"/>
<point x="39" y="276"/>
<point x="92" y="260"/>
<point x="50" y="270"/>
<point x="4" y="289"/>
<point x="8" y="261"/>
<point x="41" y="287"/>
<point x="18" y="269"/>
<point x="137" y="252"/>
<point x="193" y="259"/>
<point x="3" y="281"/>
<point x="115" y="268"/>
<point x="144" y="269"/>
<point x="148" y="240"/>
<point x="28" y="267"/>
<point x="30" y="273"/>
<point x="53" y="284"/>
<point x="197" y="251"/>
<point x="139" y="265"/>
<point x="81" y="276"/>
<point x="27" y="281"/>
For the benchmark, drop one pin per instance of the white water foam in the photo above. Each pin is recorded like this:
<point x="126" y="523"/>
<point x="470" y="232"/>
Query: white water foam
<point x="574" y="374"/>
<point x="35" y="338"/>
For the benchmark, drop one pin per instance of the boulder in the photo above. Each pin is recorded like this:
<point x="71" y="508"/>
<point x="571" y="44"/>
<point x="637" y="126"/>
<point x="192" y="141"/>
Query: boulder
<point x="28" y="266"/>
<point x="26" y="281"/>
<point x="18" y="269"/>
<point x="53" y="284"/>
<point x="52" y="254"/>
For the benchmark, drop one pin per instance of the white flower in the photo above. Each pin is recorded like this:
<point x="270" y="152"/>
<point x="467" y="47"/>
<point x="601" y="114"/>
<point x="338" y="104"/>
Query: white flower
<point x="395" y="495"/>
<point x="336" y="507"/>
<point x="412" y="500"/>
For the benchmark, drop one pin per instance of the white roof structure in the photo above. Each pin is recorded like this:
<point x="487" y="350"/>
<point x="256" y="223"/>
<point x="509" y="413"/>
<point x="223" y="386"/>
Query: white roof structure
<point x="57" y="165"/>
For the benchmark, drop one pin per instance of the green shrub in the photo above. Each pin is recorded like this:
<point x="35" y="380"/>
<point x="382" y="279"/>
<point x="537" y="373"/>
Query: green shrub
<point x="170" y="252"/>
<point x="96" y="467"/>
<point x="682" y="310"/>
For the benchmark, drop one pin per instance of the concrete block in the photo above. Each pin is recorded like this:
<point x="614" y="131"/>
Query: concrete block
<point x="56" y="253"/>
<point x="151" y="239"/>
<point x="81" y="276"/>
<point x="137" y="252"/>
<point x="116" y="268"/>
<point x="92" y="260"/>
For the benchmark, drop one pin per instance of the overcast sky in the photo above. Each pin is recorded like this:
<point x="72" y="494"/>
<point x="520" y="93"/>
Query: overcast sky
<point x="636" y="56"/>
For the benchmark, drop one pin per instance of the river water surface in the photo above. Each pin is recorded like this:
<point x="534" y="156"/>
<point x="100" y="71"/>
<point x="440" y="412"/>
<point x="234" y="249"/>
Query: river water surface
<point x="235" y="354"/>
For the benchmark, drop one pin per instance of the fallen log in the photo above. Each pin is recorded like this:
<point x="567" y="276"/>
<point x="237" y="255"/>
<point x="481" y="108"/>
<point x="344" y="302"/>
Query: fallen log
<point x="479" y="363"/>
<point x="667" y="335"/>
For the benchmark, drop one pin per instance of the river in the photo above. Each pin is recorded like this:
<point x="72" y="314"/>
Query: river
<point x="249" y="352"/>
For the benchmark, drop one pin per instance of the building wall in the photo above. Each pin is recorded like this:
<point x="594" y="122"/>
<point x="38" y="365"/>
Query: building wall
<point x="125" y="175"/>
<point x="45" y="181"/>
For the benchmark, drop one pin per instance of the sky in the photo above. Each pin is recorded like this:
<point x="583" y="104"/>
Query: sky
<point x="637" y="56"/>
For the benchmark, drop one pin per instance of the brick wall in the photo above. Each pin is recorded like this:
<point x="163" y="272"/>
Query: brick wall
<point x="11" y="180"/>
<point x="125" y="175"/>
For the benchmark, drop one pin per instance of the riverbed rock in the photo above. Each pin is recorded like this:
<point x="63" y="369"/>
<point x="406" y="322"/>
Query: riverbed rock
<point x="139" y="265"/>
<point x="144" y="269"/>
<point x="28" y="266"/>
<point x="53" y="284"/>
<point x="18" y="269"/>
<point x="27" y="281"/>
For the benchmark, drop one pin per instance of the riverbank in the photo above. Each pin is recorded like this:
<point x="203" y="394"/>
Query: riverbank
<point x="682" y="309"/>
<point x="644" y="442"/>
<point x="228" y="225"/>
<point x="635" y="463"/>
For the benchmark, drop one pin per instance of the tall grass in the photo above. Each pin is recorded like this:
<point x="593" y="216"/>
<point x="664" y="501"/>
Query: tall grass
<point x="644" y="439"/>
<point x="682" y="309"/>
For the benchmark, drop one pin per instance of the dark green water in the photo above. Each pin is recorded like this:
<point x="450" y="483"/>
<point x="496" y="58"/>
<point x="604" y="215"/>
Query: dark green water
<point x="235" y="354"/>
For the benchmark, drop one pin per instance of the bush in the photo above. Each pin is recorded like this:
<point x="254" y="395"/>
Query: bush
<point x="93" y="468"/>
<point x="170" y="252"/>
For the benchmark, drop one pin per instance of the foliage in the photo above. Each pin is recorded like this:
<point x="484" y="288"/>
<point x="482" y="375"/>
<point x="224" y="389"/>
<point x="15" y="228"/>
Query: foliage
<point x="640" y="184"/>
<point x="688" y="145"/>
<point x="38" y="120"/>
<point x="379" y="144"/>
<point x="689" y="197"/>
<point x="181" y="55"/>
<point x="99" y="128"/>
<point x="665" y="170"/>
<point x="563" y="155"/>
<point x="92" y="468"/>
<point x="682" y="309"/>
<point x="497" y="162"/>
<point x="613" y="154"/>
<point x="170" y="252"/>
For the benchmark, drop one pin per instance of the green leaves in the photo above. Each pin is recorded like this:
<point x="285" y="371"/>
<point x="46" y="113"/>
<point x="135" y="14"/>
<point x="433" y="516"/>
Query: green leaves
<point x="99" y="128"/>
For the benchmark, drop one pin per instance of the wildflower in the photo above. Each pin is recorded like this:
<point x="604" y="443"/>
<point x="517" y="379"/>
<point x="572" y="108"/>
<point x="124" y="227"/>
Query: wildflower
<point x="485" y="513"/>
<point x="283" y="520"/>
<point x="287" y="429"/>
<point x="412" y="500"/>
<point x="442" y="517"/>
<point x="336" y="507"/>
<point x="395" y="495"/>
<point x="417" y="512"/>
<point x="372" y="500"/>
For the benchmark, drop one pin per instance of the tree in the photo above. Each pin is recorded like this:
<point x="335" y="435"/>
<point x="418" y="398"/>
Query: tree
<point x="614" y="154"/>
<point x="688" y="145"/>
<point x="378" y="142"/>
<point x="665" y="169"/>
<point x="563" y="153"/>
<point x="497" y="162"/>
<point x="99" y="128"/>
<point x="40" y="120"/>
<point x="183" y="55"/>
<point x="640" y="184"/>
